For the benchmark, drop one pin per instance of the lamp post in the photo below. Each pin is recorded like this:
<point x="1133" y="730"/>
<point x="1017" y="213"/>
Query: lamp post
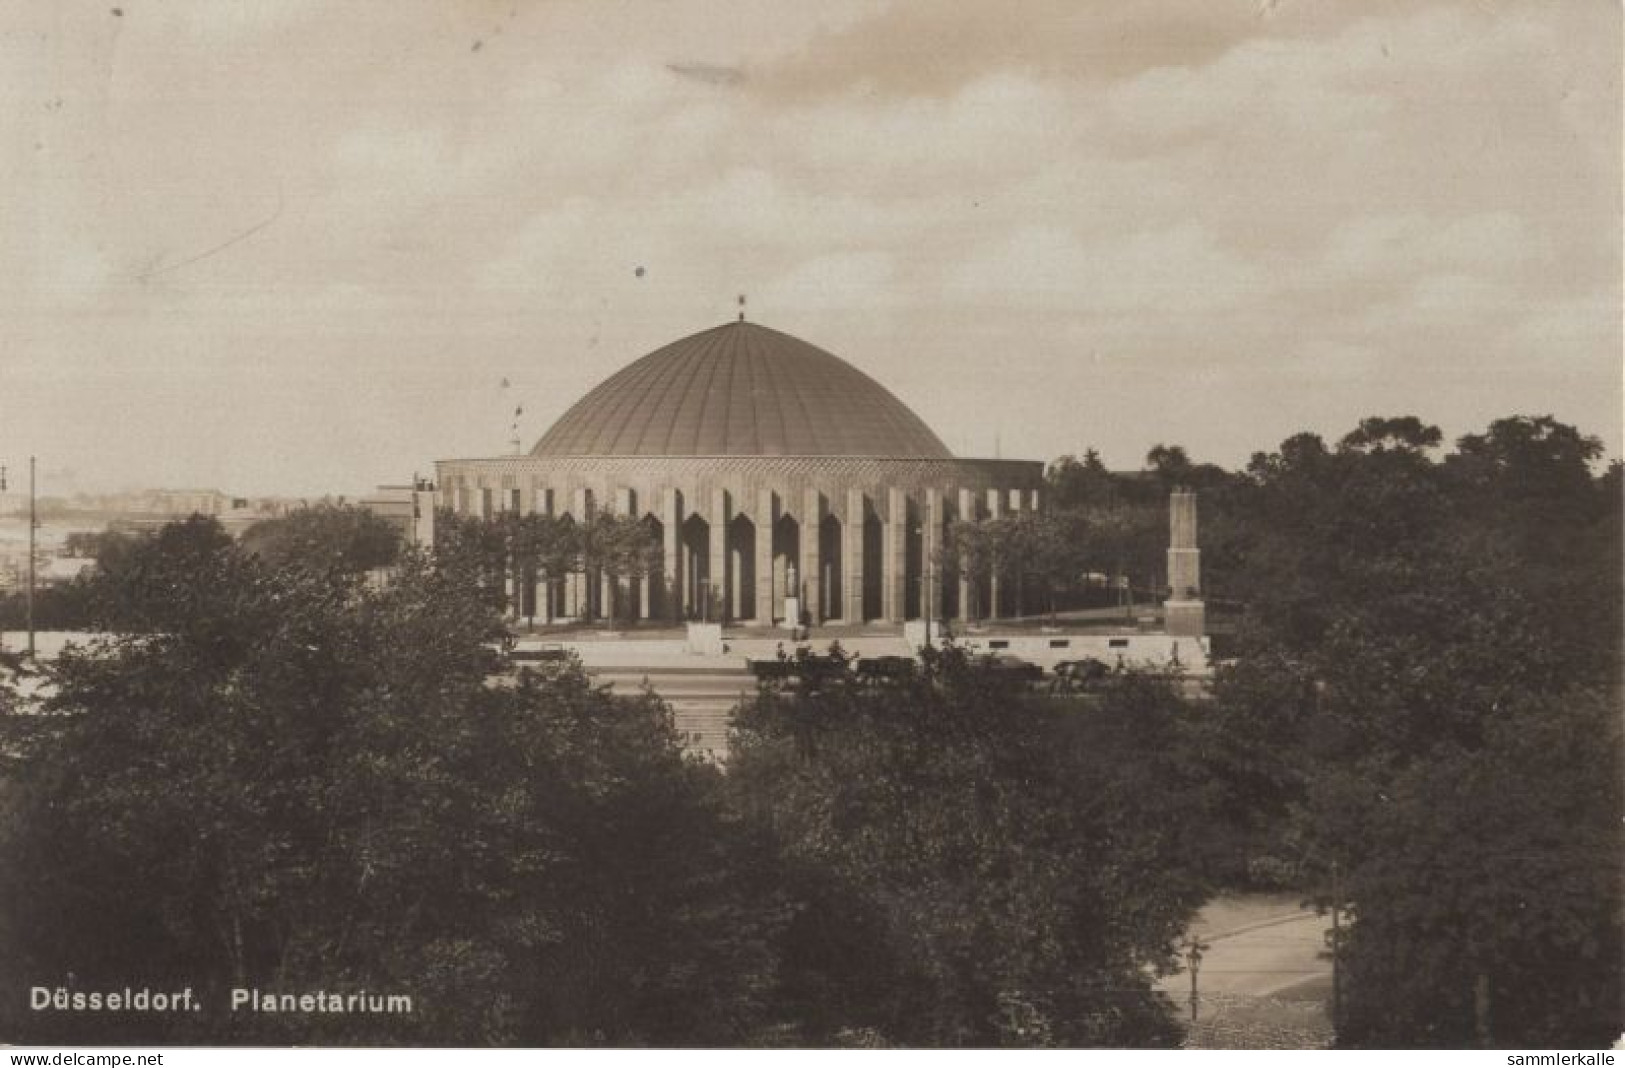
<point x="1194" y="949"/>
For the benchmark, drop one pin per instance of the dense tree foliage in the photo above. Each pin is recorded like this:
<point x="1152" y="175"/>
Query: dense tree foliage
<point x="972" y="865"/>
<point x="269" y="774"/>
<point x="511" y="550"/>
<point x="293" y="783"/>
<point x="1424" y="722"/>
<point x="1101" y="536"/>
<point x="325" y="537"/>
<point x="71" y="605"/>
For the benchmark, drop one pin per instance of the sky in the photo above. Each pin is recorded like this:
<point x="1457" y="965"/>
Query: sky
<point x="298" y="248"/>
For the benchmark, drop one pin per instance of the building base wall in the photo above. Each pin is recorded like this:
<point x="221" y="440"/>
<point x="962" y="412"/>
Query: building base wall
<point x="1185" y="618"/>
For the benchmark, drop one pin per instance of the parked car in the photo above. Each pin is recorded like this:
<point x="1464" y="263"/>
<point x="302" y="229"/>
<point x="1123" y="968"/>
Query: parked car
<point x="546" y="654"/>
<point x="1082" y="674"/>
<point x="1014" y="666"/>
<point x="876" y="668"/>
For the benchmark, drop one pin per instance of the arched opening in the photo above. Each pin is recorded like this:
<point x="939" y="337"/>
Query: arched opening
<point x="652" y="586"/>
<point x="565" y="590"/>
<point x="874" y="573"/>
<point x="914" y="577"/>
<point x="699" y="601"/>
<point x="786" y="556"/>
<point x="740" y="583"/>
<point x="831" y="578"/>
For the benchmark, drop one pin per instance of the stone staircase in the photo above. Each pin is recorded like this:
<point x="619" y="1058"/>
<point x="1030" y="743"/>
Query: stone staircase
<point x="702" y="699"/>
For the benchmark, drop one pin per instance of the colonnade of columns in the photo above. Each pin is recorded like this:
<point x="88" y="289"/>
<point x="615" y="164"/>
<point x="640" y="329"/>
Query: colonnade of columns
<point x="867" y="554"/>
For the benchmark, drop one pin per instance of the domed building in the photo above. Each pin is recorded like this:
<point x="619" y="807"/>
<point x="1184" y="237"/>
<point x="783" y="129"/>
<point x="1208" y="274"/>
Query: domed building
<point x="768" y="469"/>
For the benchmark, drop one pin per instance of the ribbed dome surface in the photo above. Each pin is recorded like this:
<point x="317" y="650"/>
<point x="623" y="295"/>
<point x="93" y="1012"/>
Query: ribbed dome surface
<point x="740" y="390"/>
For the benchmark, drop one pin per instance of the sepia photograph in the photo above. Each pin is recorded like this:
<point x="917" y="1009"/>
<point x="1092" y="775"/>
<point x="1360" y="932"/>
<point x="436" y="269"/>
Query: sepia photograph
<point x="862" y="525"/>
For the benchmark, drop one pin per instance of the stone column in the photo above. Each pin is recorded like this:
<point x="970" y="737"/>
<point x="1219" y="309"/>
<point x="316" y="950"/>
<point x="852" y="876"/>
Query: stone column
<point x="894" y="551"/>
<point x="719" y="579"/>
<point x="1184" y="613"/>
<point x="613" y="590"/>
<point x="737" y="591"/>
<point x="852" y="555"/>
<point x="930" y="566"/>
<point x="810" y="565"/>
<point x="671" y="538"/>
<point x="544" y="597"/>
<point x="764" y="522"/>
<point x="1015" y="500"/>
<point x="581" y="504"/>
<point x="995" y="509"/>
<point x="967" y="514"/>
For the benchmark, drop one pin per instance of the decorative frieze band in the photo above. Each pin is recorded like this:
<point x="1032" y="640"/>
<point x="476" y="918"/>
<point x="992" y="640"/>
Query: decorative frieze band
<point x="796" y="483"/>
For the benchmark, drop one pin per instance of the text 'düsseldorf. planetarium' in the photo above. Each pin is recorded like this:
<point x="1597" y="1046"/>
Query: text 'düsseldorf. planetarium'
<point x="756" y="459"/>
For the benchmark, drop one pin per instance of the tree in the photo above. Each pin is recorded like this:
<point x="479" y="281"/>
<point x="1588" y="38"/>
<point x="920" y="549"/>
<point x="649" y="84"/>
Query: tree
<point x="1404" y="433"/>
<point x="1486" y="911"/>
<point x="1170" y="464"/>
<point x="289" y="781"/>
<point x="1440" y="727"/>
<point x="325" y="537"/>
<point x="532" y="546"/>
<point x="508" y="551"/>
<point x="106" y="547"/>
<point x="623" y="548"/>
<point x="972" y="865"/>
<point x="1071" y="484"/>
<point x="480" y="548"/>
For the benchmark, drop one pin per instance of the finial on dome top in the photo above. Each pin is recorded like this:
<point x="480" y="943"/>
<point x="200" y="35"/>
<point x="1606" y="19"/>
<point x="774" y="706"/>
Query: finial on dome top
<point x="741" y="307"/>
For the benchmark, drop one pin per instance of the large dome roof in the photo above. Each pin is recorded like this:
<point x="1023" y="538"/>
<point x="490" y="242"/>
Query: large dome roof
<point x="740" y="390"/>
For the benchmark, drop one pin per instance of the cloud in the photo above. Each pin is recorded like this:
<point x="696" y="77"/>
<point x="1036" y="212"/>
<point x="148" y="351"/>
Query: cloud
<point x="843" y="283"/>
<point x="1167" y="273"/>
<point x="1134" y="197"/>
<point x="935" y="49"/>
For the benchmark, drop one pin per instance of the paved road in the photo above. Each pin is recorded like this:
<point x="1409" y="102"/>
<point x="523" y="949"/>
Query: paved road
<point x="1261" y="960"/>
<point x="1264" y="981"/>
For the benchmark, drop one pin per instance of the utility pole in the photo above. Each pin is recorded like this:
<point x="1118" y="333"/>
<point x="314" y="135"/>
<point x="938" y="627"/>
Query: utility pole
<point x="2" y="490"/>
<point x="33" y="522"/>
